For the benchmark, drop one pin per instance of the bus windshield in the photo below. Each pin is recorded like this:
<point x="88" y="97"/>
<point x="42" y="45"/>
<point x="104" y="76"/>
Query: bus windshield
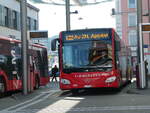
<point x="87" y="56"/>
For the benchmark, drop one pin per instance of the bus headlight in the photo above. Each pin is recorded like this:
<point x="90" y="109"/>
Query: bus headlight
<point x="65" y="81"/>
<point x="110" y="79"/>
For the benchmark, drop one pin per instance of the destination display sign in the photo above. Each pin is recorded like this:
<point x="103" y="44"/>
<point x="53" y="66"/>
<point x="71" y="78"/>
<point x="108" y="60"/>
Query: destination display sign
<point x="146" y="27"/>
<point x="38" y="34"/>
<point x="86" y="35"/>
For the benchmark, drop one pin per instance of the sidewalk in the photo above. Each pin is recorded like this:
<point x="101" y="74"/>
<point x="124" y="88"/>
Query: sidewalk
<point x="18" y="98"/>
<point x="133" y="89"/>
<point x="53" y="85"/>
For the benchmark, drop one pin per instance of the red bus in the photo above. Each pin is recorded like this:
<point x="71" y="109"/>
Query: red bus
<point x="11" y="65"/>
<point x="92" y="58"/>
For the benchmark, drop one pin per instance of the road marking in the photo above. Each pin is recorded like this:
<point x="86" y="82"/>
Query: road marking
<point x="85" y="109"/>
<point x="80" y="109"/>
<point x="28" y="103"/>
<point x="108" y="108"/>
<point x="15" y="106"/>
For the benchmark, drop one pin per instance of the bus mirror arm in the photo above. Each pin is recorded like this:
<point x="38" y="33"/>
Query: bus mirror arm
<point x="53" y="44"/>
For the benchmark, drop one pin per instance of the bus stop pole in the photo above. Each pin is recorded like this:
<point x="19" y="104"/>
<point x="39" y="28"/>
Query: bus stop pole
<point x="23" y="11"/>
<point x="67" y="15"/>
<point x="141" y="65"/>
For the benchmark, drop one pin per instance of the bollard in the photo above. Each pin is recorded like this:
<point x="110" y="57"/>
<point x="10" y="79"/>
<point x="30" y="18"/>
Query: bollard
<point x="146" y="73"/>
<point x="137" y="77"/>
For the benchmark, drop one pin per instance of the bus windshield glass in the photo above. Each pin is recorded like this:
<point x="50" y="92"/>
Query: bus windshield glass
<point x="89" y="56"/>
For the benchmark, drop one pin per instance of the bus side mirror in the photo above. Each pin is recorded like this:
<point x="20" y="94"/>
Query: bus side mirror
<point x="53" y="44"/>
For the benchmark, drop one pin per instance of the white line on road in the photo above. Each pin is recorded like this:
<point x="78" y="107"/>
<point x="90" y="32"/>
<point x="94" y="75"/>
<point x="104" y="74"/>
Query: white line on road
<point x="15" y="106"/>
<point x="87" y="109"/>
<point x="28" y="103"/>
<point x="37" y="101"/>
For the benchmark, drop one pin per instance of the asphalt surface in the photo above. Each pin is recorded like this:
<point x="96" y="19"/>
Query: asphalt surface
<point x="50" y="99"/>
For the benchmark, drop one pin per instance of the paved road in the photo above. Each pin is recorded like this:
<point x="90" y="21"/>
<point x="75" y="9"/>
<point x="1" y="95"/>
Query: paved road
<point x="50" y="99"/>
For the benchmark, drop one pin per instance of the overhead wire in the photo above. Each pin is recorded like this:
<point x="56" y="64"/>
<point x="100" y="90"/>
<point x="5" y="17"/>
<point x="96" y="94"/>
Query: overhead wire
<point x="53" y="2"/>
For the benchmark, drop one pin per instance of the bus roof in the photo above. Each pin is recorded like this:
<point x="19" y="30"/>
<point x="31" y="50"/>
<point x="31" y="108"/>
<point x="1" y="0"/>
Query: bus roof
<point x="91" y="29"/>
<point x="19" y="41"/>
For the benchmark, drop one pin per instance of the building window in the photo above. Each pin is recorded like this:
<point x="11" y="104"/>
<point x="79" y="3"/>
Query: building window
<point x="132" y="19"/>
<point x="35" y="24"/>
<point x="14" y="19"/>
<point x="131" y="3"/>
<point x="6" y="16"/>
<point x="18" y="21"/>
<point x="28" y="23"/>
<point x="132" y="38"/>
<point x="1" y="15"/>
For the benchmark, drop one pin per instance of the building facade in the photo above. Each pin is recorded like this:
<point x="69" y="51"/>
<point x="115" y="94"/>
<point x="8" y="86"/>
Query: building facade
<point x="126" y="25"/>
<point x="10" y="18"/>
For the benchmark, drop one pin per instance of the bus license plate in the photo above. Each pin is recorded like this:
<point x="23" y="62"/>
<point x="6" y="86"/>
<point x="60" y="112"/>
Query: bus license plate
<point x="87" y="86"/>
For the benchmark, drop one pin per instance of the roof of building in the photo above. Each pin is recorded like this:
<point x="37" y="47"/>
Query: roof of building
<point x="33" y="7"/>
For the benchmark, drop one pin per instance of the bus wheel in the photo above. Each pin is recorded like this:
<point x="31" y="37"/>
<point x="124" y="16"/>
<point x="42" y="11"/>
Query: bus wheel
<point x="37" y="83"/>
<point x="74" y="91"/>
<point x="2" y="87"/>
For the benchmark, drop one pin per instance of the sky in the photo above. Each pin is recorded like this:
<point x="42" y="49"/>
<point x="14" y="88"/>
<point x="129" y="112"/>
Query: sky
<point x="53" y="18"/>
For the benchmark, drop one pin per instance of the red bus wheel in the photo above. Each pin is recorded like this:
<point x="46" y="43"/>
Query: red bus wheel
<point x="74" y="91"/>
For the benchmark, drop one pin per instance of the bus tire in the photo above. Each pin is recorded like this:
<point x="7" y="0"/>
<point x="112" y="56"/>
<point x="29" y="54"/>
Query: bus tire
<point x="37" y="83"/>
<point x="118" y="89"/>
<point x="75" y="91"/>
<point x="2" y="87"/>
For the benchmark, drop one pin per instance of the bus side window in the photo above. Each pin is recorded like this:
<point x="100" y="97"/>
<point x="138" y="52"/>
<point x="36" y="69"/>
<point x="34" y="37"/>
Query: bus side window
<point x="117" y="51"/>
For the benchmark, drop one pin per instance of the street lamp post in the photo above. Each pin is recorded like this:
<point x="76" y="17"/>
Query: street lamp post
<point x="68" y="26"/>
<point x="23" y="10"/>
<point x="67" y="15"/>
